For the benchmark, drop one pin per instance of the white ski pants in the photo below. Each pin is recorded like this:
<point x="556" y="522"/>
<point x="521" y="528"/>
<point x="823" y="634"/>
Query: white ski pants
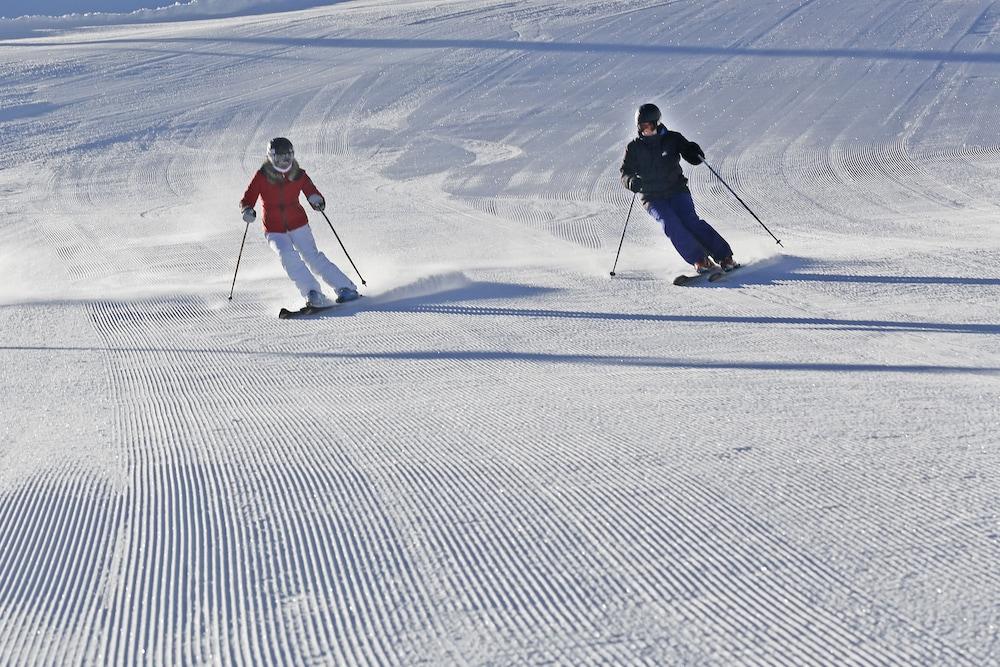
<point x="301" y="259"/>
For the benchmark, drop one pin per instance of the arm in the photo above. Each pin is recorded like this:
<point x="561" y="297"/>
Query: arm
<point x="629" y="171"/>
<point x="249" y="199"/>
<point x="689" y="150"/>
<point x="312" y="193"/>
<point x="252" y="193"/>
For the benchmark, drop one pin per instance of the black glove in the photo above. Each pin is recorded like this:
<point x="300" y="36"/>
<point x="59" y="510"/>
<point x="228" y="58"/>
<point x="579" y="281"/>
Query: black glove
<point x="693" y="153"/>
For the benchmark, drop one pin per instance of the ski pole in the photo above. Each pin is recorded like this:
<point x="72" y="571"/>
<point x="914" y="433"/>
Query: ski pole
<point x="742" y="202"/>
<point x="323" y="213"/>
<point x="627" y="216"/>
<point x="238" y="257"/>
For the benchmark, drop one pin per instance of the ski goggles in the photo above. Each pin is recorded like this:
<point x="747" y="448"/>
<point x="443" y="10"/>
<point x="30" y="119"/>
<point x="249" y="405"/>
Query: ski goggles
<point x="281" y="159"/>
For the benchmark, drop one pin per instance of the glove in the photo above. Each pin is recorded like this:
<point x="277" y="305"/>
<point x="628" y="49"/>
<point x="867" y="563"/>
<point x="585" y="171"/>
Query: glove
<point x="693" y="153"/>
<point x="249" y="215"/>
<point x="317" y="202"/>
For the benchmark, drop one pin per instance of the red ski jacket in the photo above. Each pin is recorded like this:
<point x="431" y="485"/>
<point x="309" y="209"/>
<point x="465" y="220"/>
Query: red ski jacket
<point x="280" y="194"/>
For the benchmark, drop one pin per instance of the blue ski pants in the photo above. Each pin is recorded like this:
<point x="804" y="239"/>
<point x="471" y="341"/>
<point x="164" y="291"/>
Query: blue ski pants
<point x="692" y="237"/>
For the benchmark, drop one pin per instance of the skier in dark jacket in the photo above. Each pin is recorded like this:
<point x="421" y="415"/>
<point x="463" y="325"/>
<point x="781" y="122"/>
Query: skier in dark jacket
<point x="652" y="168"/>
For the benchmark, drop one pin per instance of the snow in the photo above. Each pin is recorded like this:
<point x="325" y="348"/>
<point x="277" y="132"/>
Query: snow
<point x="502" y="455"/>
<point x="20" y="18"/>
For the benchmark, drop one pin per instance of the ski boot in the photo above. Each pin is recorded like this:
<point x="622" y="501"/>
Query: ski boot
<point x="728" y="264"/>
<point x="345" y="294"/>
<point x="705" y="265"/>
<point x="317" y="299"/>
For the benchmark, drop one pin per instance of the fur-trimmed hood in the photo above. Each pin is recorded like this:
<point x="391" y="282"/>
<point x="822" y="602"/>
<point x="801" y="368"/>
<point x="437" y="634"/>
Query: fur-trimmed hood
<point x="275" y="176"/>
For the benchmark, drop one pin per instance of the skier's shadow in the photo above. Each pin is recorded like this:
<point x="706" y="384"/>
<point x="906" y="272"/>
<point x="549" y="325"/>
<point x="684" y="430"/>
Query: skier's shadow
<point x="477" y="291"/>
<point x="790" y="268"/>
<point x="450" y="302"/>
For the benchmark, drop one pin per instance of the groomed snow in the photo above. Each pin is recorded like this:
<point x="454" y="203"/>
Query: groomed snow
<point x="22" y="18"/>
<point x="502" y="455"/>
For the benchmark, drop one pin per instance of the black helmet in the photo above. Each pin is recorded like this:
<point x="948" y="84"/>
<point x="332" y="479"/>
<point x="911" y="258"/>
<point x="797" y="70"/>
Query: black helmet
<point x="280" y="154"/>
<point x="648" y="113"/>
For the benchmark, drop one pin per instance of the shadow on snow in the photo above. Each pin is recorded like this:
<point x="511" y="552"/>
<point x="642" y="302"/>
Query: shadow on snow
<point x="556" y="47"/>
<point x="535" y="357"/>
<point x="443" y="303"/>
<point x="781" y="269"/>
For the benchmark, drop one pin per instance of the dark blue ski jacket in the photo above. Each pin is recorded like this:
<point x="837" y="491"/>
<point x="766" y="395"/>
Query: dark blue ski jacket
<point x="652" y="165"/>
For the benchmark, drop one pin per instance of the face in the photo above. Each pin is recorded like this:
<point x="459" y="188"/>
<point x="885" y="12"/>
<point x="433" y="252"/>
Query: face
<point x="647" y="129"/>
<point x="282" y="161"/>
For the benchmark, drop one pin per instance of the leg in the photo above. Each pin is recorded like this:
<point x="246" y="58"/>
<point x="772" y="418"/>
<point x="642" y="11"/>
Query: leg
<point x="317" y="261"/>
<point x="290" y="261"/>
<point x="682" y="206"/>
<point x="686" y="244"/>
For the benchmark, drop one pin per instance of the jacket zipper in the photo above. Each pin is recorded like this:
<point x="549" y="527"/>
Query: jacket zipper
<point x="284" y="215"/>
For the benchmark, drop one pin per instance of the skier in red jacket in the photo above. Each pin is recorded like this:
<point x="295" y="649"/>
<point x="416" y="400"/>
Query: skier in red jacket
<point x="278" y="183"/>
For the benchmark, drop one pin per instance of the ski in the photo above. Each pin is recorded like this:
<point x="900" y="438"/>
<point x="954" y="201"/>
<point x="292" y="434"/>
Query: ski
<point x="305" y="311"/>
<point x="286" y="314"/>
<point x="687" y="279"/>
<point x="712" y="276"/>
